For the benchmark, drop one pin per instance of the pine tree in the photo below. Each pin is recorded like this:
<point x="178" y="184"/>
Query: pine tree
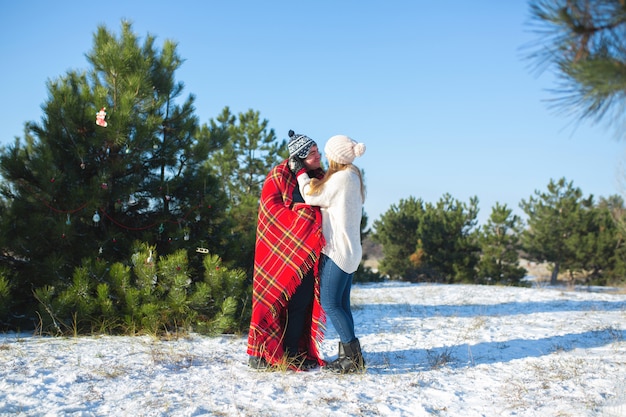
<point x="583" y="42"/>
<point x="446" y="246"/>
<point x="114" y="160"/>
<point x="6" y="300"/>
<point x="396" y="231"/>
<point x="151" y="294"/>
<point x="614" y="205"/>
<point x="422" y="241"/>
<point x="499" y="240"/>
<point x="599" y="250"/>
<point x="553" y="218"/>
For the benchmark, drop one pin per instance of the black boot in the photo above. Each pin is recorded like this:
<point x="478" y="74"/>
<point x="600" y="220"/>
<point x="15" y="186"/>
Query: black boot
<point x="331" y="365"/>
<point x="258" y="363"/>
<point x="350" y="359"/>
<point x="300" y="361"/>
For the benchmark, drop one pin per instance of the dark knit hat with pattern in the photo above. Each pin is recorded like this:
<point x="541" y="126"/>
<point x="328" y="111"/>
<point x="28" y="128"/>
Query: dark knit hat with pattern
<point x="299" y="145"/>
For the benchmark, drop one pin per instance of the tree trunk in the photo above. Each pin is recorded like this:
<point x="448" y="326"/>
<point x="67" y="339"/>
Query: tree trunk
<point x="555" y="274"/>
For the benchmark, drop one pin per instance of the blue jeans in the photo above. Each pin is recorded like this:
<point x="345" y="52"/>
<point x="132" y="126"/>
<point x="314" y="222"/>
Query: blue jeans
<point x="335" y="285"/>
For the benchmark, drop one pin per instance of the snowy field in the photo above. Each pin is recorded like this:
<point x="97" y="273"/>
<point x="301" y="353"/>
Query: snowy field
<point x="431" y="350"/>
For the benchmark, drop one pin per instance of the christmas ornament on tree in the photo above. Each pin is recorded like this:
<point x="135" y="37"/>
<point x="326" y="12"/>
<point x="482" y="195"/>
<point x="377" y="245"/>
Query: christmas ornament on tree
<point x="100" y="117"/>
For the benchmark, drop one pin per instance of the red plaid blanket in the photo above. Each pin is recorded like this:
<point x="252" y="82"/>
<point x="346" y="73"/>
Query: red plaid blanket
<point x="288" y="245"/>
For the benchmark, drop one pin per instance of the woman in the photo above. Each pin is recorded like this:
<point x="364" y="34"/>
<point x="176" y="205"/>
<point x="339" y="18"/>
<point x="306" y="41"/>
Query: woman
<point x="340" y="194"/>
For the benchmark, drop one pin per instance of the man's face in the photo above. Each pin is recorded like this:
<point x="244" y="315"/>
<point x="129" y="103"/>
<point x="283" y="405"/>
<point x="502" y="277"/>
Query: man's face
<point x="313" y="160"/>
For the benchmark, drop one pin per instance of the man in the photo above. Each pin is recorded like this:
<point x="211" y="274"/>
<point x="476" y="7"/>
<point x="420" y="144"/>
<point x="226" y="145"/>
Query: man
<point x="286" y="311"/>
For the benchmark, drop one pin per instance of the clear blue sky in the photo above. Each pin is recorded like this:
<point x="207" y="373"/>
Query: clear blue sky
<point x="439" y="91"/>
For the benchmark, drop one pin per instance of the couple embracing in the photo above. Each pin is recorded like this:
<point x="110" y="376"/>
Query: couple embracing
<point x="308" y="246"/>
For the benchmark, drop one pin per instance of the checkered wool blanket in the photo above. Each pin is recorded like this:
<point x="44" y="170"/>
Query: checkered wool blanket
<point x="288" y="245"/>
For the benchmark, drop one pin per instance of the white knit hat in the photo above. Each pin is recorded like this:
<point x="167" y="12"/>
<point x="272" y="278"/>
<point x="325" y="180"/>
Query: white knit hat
<point x="342" y="149"/>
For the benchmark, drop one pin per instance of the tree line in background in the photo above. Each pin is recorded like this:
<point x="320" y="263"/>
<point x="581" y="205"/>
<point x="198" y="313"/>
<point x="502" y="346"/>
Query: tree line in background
<point x="582" y="241"/>
<point x="121" y="213"/>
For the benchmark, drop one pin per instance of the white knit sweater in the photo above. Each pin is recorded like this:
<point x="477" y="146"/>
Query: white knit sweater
<point x="342" y="207"/>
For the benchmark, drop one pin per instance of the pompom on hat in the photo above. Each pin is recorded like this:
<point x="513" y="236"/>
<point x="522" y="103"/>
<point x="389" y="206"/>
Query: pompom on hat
<point x="299" y="145"/>
<point x="342" y="149"/>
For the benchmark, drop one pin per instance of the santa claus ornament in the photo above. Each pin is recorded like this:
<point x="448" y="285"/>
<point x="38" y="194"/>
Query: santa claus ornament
<point x="100" y="117"/>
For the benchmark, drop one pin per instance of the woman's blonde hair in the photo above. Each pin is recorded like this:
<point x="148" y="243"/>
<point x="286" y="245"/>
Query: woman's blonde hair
<point x="333" y="167"/>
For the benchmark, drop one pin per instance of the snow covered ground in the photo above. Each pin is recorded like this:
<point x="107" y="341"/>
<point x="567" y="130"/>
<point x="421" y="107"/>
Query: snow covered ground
<point x="435" y="350"/>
